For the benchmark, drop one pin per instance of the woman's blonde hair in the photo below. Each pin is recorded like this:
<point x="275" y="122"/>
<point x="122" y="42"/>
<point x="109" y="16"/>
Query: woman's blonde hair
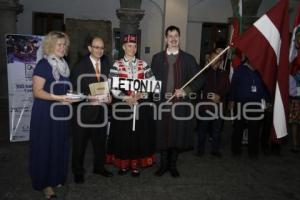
<point x="51" y="39"/>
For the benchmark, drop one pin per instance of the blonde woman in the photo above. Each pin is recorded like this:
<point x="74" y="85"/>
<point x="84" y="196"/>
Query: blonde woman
<point x="49" y="146"/>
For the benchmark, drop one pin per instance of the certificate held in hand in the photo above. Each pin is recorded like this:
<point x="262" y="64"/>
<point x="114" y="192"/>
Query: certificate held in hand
<point x="100" y="90"/>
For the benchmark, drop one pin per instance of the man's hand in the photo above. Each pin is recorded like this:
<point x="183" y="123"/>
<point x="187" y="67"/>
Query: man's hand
<point x="180" y="93"/>
<point x="230" y="105"/>
<point x="98" y="99"/>
<point x="214" y="97"/>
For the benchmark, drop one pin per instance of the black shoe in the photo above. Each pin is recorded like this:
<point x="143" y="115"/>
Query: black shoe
<point x="52" y="196"/>
<point x="174" y="173"/>
<point x="276" y="149"/>
<point x="236" y="153"/>
<point x="253" y="156"/>
<point x="122" y="172"/>
<point x="199" y="154"/>
<point x="161" y="171"/>
<point x="79" y="179"/>
<point x="294" y="150"/>
<point x="216" y="154"/>
<point x="104" y="173"/>
<point x="173" y="153"/>
<point x="164" y="163"/>
<point x="266" y="152"/>
<point x="135" y="173"/>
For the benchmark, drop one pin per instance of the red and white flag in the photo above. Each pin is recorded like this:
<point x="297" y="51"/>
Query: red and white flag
<point x="236" y="53"/>
<point x="266" y="44"/>
<point x="295" y="45"/>
<point x="236" y="30"/>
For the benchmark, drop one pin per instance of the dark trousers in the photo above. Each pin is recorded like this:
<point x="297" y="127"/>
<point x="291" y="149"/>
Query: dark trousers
<point x="266" y="132"/>
<point x="253" y="136"/>
<point x="253" y="125"/>
<point x="81" y="136"/>
<point x="212" y="128"/>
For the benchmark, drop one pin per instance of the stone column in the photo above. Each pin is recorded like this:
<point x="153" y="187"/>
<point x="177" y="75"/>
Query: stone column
<point x="129" y="20"/>
<point x="130" y="15"/>
<point x="9" y="9"/>
<point x="250" y="8"/>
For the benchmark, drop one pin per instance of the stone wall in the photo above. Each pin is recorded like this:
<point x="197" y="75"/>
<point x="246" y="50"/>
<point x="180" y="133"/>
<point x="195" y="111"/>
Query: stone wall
<point x="4" y="124"/>
<point x="80" y="30"/>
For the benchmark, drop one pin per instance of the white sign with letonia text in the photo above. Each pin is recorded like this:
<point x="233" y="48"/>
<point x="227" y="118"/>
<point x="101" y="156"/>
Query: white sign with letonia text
<point x="137" y="85"/>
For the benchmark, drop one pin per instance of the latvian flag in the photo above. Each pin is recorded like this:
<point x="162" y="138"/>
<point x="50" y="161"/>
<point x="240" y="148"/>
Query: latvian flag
<point x="266" y="44"/>
<point x="236" y="30"/>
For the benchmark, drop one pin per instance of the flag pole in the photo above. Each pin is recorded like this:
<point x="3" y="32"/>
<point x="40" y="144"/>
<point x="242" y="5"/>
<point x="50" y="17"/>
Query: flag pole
<point x="200" y="72"/>
<point x="133" y="120"/>
<point x="230" y="41"/>
<point x="134" y="116"/>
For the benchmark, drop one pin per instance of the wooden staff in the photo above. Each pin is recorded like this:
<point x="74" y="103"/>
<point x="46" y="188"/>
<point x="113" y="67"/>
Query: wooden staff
<point x="134" y="116"/>
<point x="230" y="42"/>
<point x="200" y="72"/>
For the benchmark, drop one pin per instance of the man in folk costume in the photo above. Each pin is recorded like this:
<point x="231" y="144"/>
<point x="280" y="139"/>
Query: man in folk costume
<point x="128" y="149"/>
<point x="174" y="68"/>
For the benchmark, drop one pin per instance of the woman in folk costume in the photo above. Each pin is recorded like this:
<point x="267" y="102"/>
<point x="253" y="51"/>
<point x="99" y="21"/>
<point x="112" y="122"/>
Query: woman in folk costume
<point x="128" y="149"/>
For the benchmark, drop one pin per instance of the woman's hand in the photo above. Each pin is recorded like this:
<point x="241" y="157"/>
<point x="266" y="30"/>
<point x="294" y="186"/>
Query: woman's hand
<point x="137" y="96"/>
<point x="65" y="99"/>
<point x="130" y="100"/>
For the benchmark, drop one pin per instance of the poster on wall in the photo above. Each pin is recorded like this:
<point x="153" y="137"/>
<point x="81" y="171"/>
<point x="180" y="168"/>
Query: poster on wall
<point x="23" y="52"/>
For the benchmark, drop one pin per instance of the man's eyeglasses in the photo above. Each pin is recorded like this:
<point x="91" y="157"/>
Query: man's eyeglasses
<point x="98" y="48"/>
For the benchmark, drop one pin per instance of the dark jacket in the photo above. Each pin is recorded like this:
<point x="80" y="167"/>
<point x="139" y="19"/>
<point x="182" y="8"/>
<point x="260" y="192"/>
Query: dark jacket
<point x="171" y="132"/>
<point x="217" y="81"/>
<point x="89" y="114"/>
<point x="243" y="81"/>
